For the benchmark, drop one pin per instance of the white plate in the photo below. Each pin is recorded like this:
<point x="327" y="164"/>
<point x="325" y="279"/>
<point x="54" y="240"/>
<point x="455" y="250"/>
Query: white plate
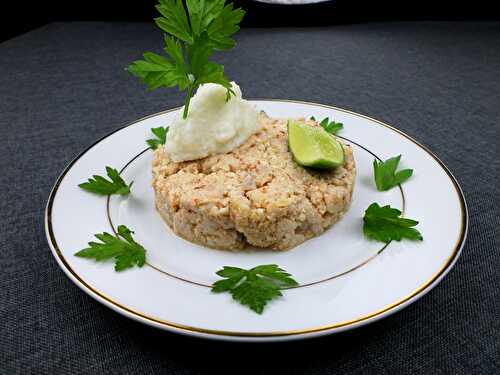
<point x="345" y="280"/>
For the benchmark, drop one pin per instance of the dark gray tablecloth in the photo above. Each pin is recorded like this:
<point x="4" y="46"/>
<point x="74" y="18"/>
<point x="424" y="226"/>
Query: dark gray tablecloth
<point x="63" y="86"/>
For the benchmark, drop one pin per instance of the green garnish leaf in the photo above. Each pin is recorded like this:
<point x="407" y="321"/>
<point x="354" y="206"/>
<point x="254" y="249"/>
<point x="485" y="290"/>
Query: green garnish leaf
<point x="385" y="224"/>
<point x="174" y="21"/>
<point x="255" y="287"/>
<point x="99" y="185"/>
<point x="386" y="176"/>
<point x="224" y="25"/>
<point x="161" y="137"/>
<point x="331" y="127"/>
<point x="126" y="252"/>
<point x="192" y="36"/>
<point x="202" y="13"/>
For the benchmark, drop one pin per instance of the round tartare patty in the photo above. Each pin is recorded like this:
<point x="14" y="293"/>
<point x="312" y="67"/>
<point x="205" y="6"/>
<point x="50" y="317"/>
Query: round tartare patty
<point x="255" y="195"/>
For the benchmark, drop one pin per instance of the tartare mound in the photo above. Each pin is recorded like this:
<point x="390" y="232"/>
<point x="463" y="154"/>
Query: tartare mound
<point x="255" y="195"/>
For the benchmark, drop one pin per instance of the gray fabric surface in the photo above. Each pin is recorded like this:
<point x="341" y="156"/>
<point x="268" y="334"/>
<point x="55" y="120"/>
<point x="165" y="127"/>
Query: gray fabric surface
<point x="63" y="86"/>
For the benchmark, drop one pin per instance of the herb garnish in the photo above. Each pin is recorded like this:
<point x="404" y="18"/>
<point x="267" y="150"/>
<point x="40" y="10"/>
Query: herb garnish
<point x="331" y="127"/>
<point x="122" y="248"/>
<point x="255" y="287"/>
<point x="385" y="224"/>
<point x="161" y="137"/>
<point x="385" y="173"/>
<point x="99" y="185"/>
<point x="191" y="39"/>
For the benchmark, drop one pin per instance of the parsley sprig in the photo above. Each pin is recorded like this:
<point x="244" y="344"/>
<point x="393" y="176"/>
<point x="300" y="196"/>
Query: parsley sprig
<point x="331" y="127"/>
<point x="255" y="287"/>
<point x="386" y="176"/>
<point x="161" y="137"/>
<point x="99" y="185"/>
<point x="126" y="252"/>
<point x="191" y="39"/>
<point x="385" y="224"/>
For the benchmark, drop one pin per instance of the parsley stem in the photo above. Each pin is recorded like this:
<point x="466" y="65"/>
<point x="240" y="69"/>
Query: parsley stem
<point x="187" y="99"/>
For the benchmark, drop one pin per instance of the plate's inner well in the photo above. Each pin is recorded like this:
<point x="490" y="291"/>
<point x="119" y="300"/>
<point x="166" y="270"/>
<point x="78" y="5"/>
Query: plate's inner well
<point x="346" y="251"/>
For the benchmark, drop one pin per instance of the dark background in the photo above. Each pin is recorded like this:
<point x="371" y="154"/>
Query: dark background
<point x="63" y="86"/>
<point x="22" y="16"/>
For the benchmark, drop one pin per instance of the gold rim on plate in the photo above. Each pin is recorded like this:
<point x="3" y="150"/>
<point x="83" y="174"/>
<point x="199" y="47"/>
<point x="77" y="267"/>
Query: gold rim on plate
<point x="79" y="281"/>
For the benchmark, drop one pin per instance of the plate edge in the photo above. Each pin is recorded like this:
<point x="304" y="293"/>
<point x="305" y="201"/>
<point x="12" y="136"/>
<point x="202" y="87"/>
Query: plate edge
<point x="261" y="336"/>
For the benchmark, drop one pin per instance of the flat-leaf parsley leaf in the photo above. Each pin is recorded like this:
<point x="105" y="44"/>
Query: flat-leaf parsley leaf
<point x="122" y="248"/>
<point x="161" y="137"/>
<point x="385" y="224"/>
<point x="191" y="38"/>
<point x="255" y="287"/>
<point x="331" y="127"/>
<point x="99" y="185"/>
<point x="385" y="173"/>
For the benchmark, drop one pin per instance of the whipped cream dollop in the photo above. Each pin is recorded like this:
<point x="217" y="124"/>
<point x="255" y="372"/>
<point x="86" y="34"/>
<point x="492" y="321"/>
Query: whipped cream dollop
<point x="213" y="125"/>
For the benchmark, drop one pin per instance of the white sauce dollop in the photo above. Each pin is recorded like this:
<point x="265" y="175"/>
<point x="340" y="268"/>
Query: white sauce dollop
<point x="213" y="126"/>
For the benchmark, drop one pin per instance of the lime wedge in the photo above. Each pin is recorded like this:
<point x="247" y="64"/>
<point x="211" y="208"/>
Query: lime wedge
<point x="313" y="146"/>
